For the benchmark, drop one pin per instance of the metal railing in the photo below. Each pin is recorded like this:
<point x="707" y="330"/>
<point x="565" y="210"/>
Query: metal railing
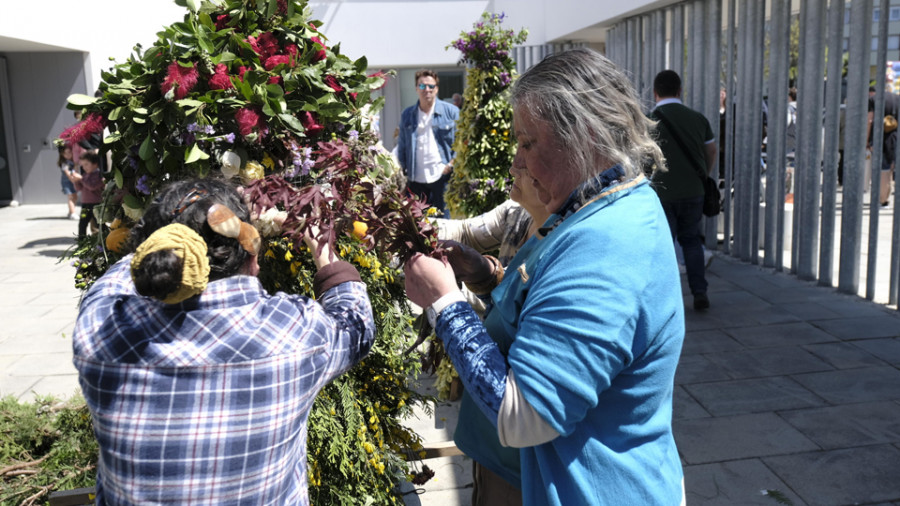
<point x="819" y="232"/>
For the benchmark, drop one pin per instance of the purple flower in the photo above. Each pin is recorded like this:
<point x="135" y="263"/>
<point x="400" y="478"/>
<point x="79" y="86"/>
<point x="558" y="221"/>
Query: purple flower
<point x="229" y="137"/>
<point x="490" y="182"/>
<point x="193" y="127"/>
<point x="353" y="134"/>
<point x="141" y="185"/>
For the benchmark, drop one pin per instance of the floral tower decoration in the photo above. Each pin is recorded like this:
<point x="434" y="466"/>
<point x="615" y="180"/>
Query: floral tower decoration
<point x="484" y="142"/>
<point x="251" y="90"/>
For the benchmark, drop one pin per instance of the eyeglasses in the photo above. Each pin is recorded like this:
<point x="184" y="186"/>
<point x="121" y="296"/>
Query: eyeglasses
<point x="429" y="86"/>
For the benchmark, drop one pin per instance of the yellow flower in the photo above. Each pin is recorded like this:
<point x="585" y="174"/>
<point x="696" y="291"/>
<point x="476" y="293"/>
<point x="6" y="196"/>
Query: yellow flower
<point x="268" y="162"/>
<point x="493" y="131"/>
<point x="252" y="171"/>
<point x="369" y="447"/>
<point x="288" y="256"/>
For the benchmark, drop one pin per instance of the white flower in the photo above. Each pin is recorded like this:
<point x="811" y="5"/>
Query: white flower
<point x="231" y="164"/>
<point x="269" y="222"/>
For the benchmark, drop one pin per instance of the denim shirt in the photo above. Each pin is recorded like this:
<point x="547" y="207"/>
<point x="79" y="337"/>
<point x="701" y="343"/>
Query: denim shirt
<point x="443" y="124"/>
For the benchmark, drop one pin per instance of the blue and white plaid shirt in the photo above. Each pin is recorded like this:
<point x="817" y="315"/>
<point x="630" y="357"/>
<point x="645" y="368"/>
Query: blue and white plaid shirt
<point x="206" y="402"/>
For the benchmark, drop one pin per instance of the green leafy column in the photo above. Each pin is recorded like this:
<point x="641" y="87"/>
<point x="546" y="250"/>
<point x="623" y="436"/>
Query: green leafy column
<point x="250" y="91"/>
<point x="485" y="144"/>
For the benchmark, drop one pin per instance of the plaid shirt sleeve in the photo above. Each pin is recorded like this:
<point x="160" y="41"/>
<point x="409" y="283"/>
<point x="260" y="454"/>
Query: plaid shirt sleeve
<point x="206" y="402"/>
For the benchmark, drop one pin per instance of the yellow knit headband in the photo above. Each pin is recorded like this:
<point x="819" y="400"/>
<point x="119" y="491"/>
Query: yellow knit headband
<point x="187" y="246"/>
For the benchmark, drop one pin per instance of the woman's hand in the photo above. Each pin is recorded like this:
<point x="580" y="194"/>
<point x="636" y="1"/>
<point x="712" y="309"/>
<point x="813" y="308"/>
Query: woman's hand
<point x="428" y="279"/>
<point x="323" y="257"/>
<point x="469" y="265"/>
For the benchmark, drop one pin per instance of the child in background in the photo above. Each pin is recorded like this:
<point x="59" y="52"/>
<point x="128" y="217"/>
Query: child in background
<point x="90" y="184"/>
<point x="67" y="166"/>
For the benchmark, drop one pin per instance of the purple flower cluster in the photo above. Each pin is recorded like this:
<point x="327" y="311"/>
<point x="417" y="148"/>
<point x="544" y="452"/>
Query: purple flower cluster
<point x="487" y="46"/>
<point x="206" y="129"/>
<point x="302" y="161"/>
<point x="141" y="185"/>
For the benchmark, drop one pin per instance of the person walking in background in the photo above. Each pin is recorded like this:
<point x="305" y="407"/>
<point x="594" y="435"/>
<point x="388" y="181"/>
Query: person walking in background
<point x="198" y="381"/>
<point x="425" y="142"/>
<point x="687" y="141"/>
<point x="67" y="167"/>
<point x="574" y="364"/>
<point x="457" y="100"/>
<point x="888" y="156"/>
<point x="90" y="184"/>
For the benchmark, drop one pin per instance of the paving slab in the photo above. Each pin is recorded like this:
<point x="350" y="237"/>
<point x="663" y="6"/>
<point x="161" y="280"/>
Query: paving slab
<point x="757" y="395"/>
<point x="736" y="482"/>
<point x="845" y="355"/>
<point x="851" y="386"/>
<point x="725" y="438"/>
<point x="863" y="327"/>
<point x="827" y="478"/>
<point x="884" y="349"/>
<point x="850" y="425"/>
<point x="761" y="336"/>
<point x="761" y="362"/>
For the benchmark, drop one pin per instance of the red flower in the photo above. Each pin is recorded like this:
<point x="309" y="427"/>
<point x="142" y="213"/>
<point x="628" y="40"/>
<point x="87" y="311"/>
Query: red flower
<point x="222" y="21"/>
<point x="278" y="59"/>
<point x="291" y="50"/>
<point x="92" y="124"/>
<point x="282" y="7"/>
<point x="332" y="82"/>
<point x="181" y="79"/>
<point x="353" y="95"/>
<point x="320" y="54"/>
<point x="220" y="80"/>
<point x="276" y="80"/>
<point x="382" y="75"/>
<point x="309" y="123"/>
<point x="248" y="120"/>
<point x="265" y="46"/>
<point x="241" y="70"/>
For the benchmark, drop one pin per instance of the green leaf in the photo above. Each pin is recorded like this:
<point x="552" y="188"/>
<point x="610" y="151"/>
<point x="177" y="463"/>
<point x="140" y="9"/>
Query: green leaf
<point x="273" y="7"/>
<point x="189" y="102"/>
<point x="81" y="100"/>
<point x="133" y="202"/>
<point x="195" y="154"/>
<point x="224" y="57"/>
<point x="116" y="113"/>
<point x="152" y="166"/>
<point x="119" y="179"/>
<point x="292" y="122"/>
<point x="146" y="149"/>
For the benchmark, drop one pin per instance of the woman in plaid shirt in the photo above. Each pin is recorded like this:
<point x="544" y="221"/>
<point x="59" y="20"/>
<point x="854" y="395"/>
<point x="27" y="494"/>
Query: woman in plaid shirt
<point x="200" y="382"/>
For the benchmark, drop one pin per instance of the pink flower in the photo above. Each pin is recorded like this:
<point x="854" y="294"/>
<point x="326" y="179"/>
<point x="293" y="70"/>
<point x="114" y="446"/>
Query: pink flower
<point x="181" y="79"/>
<point x="241" y="70"/>
<point x="276" y="60"/>
<point x="92" y="124"/>
<point x="333" y="83"/>
<point x="220" y="80"/>
<point x="320" y="54"/>
<point x="222" y="21"/>
<point x="249" y="119"/>
<point x="291" y="50"/>
<point x="276" y="80"/>
<point x="309" y="123"/>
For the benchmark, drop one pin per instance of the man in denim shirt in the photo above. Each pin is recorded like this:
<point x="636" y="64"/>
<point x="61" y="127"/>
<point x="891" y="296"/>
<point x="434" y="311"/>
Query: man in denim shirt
<point x="425" y="142"/>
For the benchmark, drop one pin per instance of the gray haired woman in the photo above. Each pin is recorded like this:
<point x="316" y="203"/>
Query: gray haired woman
<point x="574" y="364"/>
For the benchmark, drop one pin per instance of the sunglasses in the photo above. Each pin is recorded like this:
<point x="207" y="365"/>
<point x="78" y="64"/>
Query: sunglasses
<point x="429" y="86"/>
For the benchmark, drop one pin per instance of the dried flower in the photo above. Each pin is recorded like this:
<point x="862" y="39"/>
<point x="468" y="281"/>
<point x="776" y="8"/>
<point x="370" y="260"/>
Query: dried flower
<point x="180" y="80"/>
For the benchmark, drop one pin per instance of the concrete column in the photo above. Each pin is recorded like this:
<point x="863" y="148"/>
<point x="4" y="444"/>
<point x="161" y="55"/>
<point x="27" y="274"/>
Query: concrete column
<point x="775" y="150"/>
<point x="877" y="145"/>
<point x="728" y="136"/>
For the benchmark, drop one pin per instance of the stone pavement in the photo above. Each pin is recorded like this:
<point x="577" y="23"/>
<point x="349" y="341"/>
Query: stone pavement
<point x="783" y="385"/>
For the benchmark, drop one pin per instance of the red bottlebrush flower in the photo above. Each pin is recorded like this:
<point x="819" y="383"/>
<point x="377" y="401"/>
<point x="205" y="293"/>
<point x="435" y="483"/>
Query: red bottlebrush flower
<point x="353" y="96"/>
<point x="249" y="119"/>
<point x="291" y="50"/>
<point x="278" y="59"/>
<point x="241" y="70"/>
<point x="309" y="122"/>
<point x="220" y="80"/>
<point x="92" y="124"/>
<point x="181" y="79"/>
<point x="276" y="80"/>
<point x="222" y="21"/>
<point x="333" y="83"/>
<point x="282" y="7"/>
<point x="320" y="54"/>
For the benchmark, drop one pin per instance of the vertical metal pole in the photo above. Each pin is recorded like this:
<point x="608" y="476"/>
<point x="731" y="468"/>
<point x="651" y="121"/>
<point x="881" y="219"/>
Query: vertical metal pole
<point x="743" y="131"/>
<point x="809" y="130"/>
<point x="729" y="125"/>
<point x="855" y="144"/>
<point x="877" y="145"/>
<point x="676" y="43"/>
<point x="636" y="53"/>
<point x="713" y="69"/>
<point x="775" y="150"/>
<point x="659" y="27"/>
<point x="757" y="20"/>
<point x="646" y="89"/>
<point x="832" y="133"/>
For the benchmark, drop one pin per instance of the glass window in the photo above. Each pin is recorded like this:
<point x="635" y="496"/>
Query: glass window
<point x="893" y="42"/>
<point x="874" y="43"/>
<point x="876" y="15"/>
<point x="895" y="14"/>
<point x="846" y="45"/>
<point x="847" y="16"/>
